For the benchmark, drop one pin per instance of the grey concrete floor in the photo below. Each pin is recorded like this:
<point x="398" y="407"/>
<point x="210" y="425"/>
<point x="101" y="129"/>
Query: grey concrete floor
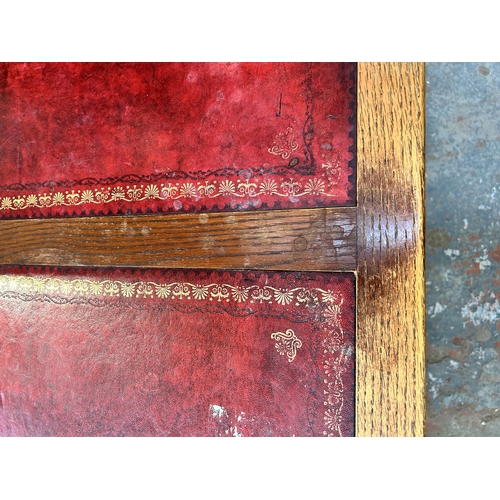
<point x="463" y="248"/>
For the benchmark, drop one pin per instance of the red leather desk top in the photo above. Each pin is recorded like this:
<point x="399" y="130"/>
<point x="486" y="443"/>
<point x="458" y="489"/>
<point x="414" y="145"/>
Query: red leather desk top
<point x="131" y="138"/>
<point x="175" y="353"/>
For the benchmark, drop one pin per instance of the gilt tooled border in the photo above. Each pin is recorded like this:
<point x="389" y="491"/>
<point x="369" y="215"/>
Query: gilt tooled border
<point x="323" y="307"/>
<point x="174" y="195"/>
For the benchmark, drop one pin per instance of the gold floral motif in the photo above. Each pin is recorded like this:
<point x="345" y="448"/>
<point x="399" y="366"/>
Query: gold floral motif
<point x="6" y="203"/>
<point x="291" y="187"/>
<point x="306" y="297"/>
<point x="152" y="192"/>
<point x="144" y="290"/>
<point x="182" y="290"/>
<point x="200" y="292"/>
<point x="288" y="187"/>
<point x="162" y="291"/>
<point x="227" y="188"/>
<point x="58" y="199"/>
<point x="19" y="202"/>
<point x="247" y="188"/>
<point x="96" y="287"/>
<point x="207" y="189"/>
<point x="66" y="287"/>
<point x="283" y="297"/>
<point x="330" y="297"/>
<point x="72" y="197"/>
<point x="128" y="289"/>
<point x="332" y="314"/>
<point x="88" y="196"/>
<point x="46" y="200"/>
<point x="219" y="292"/>
<point x="287" y="343"/>
<point x="332" y="171"/>
<point x="268" y="187"/>
<point x="315" y="186"/>
<point x="117" y="194"/>
<point x="284" y="144"/>
<point x="111" y="289"/>
<point x="240" y="294"/>
<point x="188" y="190"/>
<point x="332" y="421"/>
<point x="334" y="391"/>
<point x="31" y="200"/>
<point x="175" y="290"/>
<point x="261" y="294"/>
<point x="169" y="191"/>
<point x="102" y="196"/>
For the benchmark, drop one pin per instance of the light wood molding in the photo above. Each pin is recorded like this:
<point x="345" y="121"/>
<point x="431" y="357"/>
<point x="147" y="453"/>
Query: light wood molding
<point x="391" y="290"/>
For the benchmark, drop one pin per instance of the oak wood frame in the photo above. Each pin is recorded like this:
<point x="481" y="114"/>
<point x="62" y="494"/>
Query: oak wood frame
<point x="381" y="240"/>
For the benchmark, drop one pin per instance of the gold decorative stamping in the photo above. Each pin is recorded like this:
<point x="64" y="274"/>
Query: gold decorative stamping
<point x="287" y="343"/>
<point x="284" y="144"/>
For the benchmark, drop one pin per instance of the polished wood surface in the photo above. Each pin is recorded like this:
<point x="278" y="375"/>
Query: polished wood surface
<point x="302" y="240"/>
<point x="391" y="301"/>
<point x="381" y="240"/>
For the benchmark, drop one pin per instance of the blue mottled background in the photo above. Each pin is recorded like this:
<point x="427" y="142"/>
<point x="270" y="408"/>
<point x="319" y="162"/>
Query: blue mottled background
<point x="463" y="248"/>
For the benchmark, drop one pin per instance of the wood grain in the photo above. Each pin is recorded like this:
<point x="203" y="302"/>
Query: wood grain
<point x="311" y="240"/>
<point x="390" y="303"/>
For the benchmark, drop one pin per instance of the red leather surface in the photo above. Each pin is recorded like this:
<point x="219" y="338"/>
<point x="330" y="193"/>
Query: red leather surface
<point x="109" y="138"/>
<point x="175" y="353"/>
